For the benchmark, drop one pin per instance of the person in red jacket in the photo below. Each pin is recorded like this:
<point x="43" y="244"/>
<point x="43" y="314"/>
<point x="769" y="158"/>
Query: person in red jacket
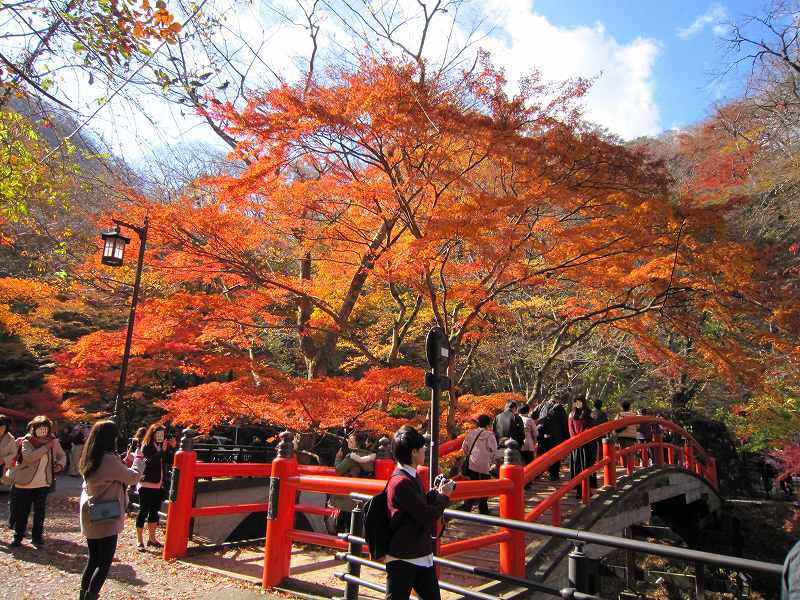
<point x="413" y="516"/>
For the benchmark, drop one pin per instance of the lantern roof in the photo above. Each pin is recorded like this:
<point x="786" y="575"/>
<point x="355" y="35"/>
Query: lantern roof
<point x="115" y="233"/>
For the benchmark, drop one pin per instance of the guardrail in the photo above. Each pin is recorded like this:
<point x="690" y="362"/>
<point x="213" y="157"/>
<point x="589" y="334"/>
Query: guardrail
<point x="288" y="478"/>
<point x="582" y="578"/>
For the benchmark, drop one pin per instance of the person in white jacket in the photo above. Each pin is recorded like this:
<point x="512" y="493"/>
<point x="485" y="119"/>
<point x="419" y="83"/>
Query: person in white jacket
<point x="34" y="477"/>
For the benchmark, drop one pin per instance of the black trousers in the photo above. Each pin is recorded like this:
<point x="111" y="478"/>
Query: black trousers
<point x="22" y="501"/>
<point x="149" y="504"/>
<point x="402" y="577"/>
<point x="483" y="503"/>
<point x="11" y="506"/>
<point x="101" y="553"/>
<point x="546" y="444"/>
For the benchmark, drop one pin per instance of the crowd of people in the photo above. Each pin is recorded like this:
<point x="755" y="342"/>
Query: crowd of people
<point x="29" y="465"/>
<point x="31" y="462"/>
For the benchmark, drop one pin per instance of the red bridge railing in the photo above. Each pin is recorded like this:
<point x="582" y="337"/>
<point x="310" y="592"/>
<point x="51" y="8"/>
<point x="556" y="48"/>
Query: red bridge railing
<point x="288" y="478"/>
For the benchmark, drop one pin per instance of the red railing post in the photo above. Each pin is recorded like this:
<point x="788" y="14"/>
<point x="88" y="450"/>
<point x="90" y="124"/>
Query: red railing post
<point x="671" y="455"/>
<point x="688" y="456"/>
<point x="586" y="493"/>
<point x="630" y="460"/>
<point x="658" y="451"/>
<point x="181" y="492"/>
<point x="280" y="514"/>
<point x="555" y="513"/>
<point x="384" y="463"/>
<point x="610" y="469"/>
<point x="711" y="472"/>
<point x="512" y="506"/>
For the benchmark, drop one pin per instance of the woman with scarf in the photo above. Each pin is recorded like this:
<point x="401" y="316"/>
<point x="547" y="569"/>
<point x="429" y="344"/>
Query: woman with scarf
<point x="34" y="477"/>
<point x="151" y="486"/>
<point x="105" y="478"/>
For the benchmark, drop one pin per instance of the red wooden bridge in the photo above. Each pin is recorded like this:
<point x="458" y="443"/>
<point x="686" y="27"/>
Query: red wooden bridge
<point x="517" y="494"/>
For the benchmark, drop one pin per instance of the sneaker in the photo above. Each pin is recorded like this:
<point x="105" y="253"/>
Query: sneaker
<point x="140" y="547"/>
<point x="155" y="544"/>
<point x="38" y="544"/>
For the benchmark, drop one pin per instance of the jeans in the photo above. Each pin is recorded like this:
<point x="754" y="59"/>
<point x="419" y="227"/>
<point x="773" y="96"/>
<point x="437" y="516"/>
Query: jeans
<point x="23" y="500"/>
<point x="101" y="553"/>
<point x="149" y="505"/>
<point x="402" y="577"/>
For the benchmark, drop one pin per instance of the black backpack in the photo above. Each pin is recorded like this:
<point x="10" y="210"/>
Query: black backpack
<point x="545" y="417"/>
<point x="377" y="522"/>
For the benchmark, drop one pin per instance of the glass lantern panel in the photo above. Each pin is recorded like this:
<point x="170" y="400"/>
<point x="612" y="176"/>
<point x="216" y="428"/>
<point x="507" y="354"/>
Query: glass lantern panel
<point x="119" y="248"/>
<point x="108" y="249"/>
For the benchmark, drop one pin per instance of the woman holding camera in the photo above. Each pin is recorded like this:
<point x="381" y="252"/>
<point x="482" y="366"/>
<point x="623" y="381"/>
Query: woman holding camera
<point x="103" y="502"/>
<point x="150" y="486"/>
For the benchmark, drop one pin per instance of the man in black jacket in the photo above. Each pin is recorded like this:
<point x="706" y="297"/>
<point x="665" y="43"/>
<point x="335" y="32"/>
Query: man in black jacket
<point x="413" y="516"/>
<point x="551" y="422"/>
<point x="508" y="424"/>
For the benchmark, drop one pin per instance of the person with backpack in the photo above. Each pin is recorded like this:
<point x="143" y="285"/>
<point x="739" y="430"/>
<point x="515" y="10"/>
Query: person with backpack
<point x="150" y="486"/>
<point x="552" y="426"/>
<point x="508" y="424"/>
<point x="413" y="516"/>
<point x="103" y="502"/>
<point x="479" y="448"/>
<point x="40" y="457"/>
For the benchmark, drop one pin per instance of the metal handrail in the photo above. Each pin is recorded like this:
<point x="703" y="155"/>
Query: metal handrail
<point x="580" y="537"/>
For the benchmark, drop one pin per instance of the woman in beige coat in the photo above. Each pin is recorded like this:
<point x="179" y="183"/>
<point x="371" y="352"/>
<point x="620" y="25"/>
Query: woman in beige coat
<point x="34" y="477"/>
<point x="8" y="448"/>
<point x="8" y="454"/>
<point x="104" y="480"/>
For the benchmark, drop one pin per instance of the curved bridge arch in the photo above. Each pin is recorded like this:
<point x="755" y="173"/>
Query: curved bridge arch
<point x="670" y="492"/>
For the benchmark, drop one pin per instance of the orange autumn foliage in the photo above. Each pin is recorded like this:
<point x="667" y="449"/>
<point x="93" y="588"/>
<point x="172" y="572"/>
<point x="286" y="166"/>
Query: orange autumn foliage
<point x="371" y="192"/>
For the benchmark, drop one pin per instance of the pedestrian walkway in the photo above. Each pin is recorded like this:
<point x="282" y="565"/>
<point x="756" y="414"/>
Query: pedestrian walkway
<point x="54" y="572"/>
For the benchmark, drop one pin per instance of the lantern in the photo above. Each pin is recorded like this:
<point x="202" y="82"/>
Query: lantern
<point x="113" y="247"/>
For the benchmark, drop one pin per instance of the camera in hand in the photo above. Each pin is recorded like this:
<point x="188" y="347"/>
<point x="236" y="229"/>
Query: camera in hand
<point x="441" y="479"/>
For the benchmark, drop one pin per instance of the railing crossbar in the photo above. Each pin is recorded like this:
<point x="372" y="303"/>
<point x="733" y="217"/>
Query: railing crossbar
<point x="541" y="587"/>
<point x="742" y="564"/>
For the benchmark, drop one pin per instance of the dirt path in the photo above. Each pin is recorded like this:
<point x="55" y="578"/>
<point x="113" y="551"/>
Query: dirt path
<point x="55" y="571"/>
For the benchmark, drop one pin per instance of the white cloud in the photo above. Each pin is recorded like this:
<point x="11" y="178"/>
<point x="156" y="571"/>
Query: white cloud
<point x="713" y="17"/>
<point x="622" y="98"/>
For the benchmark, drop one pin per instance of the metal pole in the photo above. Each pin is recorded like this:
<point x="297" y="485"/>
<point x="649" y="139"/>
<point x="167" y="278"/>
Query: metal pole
<point x="354" y="568"/>
<point x="131" y="318"/>
<point x="577" y="576"/>
<point x="436" y="398"/>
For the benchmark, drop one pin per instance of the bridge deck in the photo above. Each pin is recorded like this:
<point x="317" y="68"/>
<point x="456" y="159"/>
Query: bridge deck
<point x="317" y="566"/>
<point x="488" y="557"/>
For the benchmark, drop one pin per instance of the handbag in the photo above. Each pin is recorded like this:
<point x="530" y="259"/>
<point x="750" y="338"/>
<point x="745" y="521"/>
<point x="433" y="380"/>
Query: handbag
<point x="104" y="511"/>
<point x="465" y="466"/>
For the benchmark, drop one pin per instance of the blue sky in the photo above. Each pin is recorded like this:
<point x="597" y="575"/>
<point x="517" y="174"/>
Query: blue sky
<point x="685" y="68"/>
